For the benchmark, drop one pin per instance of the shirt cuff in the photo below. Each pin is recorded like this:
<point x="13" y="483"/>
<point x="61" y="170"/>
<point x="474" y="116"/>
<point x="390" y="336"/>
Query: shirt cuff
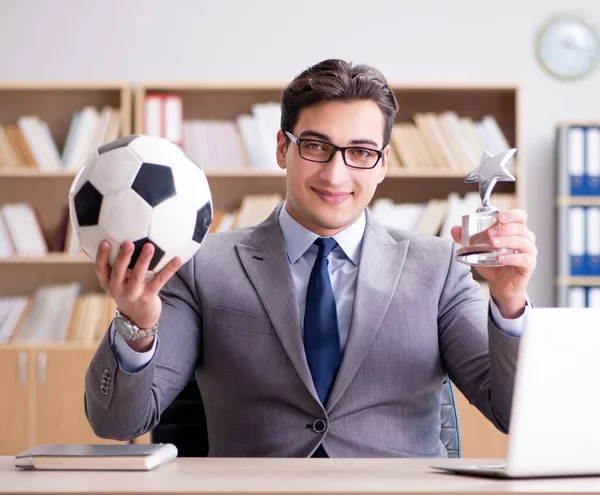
<point x="129" y="360"/>
<point x="512" y="327"/>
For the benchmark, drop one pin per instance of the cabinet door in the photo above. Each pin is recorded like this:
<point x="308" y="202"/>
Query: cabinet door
<point x="59" y="387"/>
<point x="479" y="437"/>
<point x="17" y="385"/>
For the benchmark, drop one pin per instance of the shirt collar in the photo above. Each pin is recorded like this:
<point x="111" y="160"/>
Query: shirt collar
<point x="297" y="238"/>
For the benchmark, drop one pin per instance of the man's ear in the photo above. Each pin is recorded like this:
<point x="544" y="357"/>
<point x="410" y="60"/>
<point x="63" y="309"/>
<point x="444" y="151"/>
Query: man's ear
<point x="281" y="149"/>
<point x="384" y="163"/>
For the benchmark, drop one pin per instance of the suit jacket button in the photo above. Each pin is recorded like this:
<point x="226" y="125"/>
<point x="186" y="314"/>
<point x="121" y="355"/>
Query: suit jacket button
<point x="319" y="426"/>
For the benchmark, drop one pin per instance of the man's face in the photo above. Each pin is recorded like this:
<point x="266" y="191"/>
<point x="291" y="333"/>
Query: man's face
<point x="328" y="197"/>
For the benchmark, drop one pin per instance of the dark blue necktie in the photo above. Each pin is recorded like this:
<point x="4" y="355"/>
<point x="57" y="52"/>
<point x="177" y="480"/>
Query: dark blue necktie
<point x="321" y="334"/>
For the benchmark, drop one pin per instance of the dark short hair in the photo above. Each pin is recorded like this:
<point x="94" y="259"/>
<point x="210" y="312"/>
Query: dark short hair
<point x="338" y="80"/>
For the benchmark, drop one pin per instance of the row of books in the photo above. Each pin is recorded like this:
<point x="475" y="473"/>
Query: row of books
<point x="434" y="217"/>
<point x="579" y="160"/>
<point x="583" y="297"/>
<point x="29" y="142"/>
<point x="56" y="313"/>
<point x="581" y="226"/>
<point x="445" y="141"/>
<point x="578" y="214"/>
<point x="21" y="233"/>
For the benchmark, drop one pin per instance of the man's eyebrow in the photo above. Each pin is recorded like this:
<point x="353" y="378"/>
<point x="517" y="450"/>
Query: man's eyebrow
<point x="325" y="137"/>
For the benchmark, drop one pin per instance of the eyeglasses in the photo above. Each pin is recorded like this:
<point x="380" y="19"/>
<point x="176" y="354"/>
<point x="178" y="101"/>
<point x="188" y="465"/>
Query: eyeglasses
<point x="315" y="150"/>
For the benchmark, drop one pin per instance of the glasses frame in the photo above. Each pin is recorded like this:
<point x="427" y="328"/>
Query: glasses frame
<point x="335" y="149"/>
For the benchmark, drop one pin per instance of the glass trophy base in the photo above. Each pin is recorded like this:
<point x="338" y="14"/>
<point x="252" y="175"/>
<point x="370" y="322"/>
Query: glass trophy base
<point x="476" y="250"/>
<point x="481" y="255"/>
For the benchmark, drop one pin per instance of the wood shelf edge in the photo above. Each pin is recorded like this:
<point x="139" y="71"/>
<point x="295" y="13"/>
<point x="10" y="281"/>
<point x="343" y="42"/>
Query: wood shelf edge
<point x="237" y="174"/>
<point x="585" y="280"/>
<point x="241" y="85"/>
<point x="578" y="201"/>
<point x="63" y="85"/>
<point x="52" y="258"/>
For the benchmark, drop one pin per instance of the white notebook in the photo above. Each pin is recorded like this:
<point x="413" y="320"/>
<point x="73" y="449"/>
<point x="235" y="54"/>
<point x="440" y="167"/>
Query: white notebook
<point x="127" y="457"/>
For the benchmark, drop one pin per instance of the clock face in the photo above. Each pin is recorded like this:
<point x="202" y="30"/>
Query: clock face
<point x="568" y="47"/>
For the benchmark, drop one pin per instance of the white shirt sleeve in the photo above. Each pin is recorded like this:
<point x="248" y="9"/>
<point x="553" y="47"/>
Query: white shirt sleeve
<point x="512" y="327"/>
<point x="129" y="360"/>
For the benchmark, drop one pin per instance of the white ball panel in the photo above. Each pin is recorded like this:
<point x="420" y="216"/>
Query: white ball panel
<point x="115" y="170"/>
<point x="172" y="223"/>
<point x="125" y="216"/>
<point x="156" y="150"/>
<point x="83" y="174"/>
<point x="91" y="237"/>
<point x="190" y="182"/>
<point x="73" y="214"/>
<point x="185" y="251"/>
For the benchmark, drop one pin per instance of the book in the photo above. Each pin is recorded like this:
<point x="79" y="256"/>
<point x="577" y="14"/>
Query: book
<point x="127" y="457"/>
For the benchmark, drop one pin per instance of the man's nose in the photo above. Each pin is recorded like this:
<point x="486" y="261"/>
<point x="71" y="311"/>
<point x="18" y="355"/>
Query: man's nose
<point x="335" y="170"/>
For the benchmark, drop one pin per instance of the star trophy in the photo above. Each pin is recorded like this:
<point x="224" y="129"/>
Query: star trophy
<point x="476" y="249"/>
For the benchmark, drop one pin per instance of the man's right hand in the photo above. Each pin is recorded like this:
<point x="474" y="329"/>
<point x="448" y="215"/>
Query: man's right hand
<point x="137" y="300"/>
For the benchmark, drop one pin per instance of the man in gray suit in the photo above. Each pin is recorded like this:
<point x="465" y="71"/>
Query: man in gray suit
<point x="318" y="332"/>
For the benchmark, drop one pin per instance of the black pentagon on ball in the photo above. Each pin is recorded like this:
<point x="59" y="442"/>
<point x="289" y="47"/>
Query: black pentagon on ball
<point x="203" y="221"/>
<point x="154" y="183"/>
<point x="137" y="250"/>
<point x="88" y="201"/>
<point x="117" y="143"/>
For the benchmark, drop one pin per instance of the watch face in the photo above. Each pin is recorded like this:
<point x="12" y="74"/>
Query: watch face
<point x="568" y="47"/>
<point x="123" y="328"/>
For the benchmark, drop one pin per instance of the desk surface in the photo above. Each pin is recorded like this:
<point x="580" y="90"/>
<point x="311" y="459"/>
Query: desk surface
<point x="278" y="476"/>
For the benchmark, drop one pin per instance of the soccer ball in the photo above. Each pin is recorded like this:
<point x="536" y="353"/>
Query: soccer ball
<point x="142" y="189"/>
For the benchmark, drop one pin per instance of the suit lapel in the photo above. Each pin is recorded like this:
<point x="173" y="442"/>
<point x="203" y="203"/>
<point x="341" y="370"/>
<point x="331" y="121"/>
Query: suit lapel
<point x="267" y="267"/>
<point x="381" y="262"/>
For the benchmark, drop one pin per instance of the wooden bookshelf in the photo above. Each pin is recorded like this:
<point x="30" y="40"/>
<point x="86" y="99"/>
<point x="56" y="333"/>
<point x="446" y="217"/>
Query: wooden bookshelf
<point x="44" y="381"/>
<point x="227" y="101"/>
<point x="47" y="192"/>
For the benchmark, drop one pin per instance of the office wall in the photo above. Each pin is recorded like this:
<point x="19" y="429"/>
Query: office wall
<point x="420" y="40"/>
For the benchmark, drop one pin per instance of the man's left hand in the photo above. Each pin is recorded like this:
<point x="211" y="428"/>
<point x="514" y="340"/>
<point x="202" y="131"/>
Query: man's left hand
<point x="508" y="283"/>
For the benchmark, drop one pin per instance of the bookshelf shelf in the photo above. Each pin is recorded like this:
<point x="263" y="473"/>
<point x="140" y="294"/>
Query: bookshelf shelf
<point x="578" y="201"/>
<point x="23" y="276"/>
<point x="36" y="174"/>
<point x="48" y="259"/>
<point x="587" y="281"/>
<point x="48" y="345"/>
<point x="247" y="173"/>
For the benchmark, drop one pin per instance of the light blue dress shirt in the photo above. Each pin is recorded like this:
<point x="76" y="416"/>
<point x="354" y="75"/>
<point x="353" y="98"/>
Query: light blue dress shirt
<point x="301" y="252"/>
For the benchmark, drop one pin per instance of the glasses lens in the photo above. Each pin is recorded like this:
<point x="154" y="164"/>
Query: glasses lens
<point x="361" y="157"/>
<point x="315" y="150"/>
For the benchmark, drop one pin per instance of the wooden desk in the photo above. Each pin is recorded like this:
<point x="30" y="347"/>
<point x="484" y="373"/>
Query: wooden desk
<point x="277" y="476"/>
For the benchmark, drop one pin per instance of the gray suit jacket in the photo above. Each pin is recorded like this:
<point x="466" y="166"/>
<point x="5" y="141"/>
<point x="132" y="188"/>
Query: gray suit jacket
<point x="230" y="316"/>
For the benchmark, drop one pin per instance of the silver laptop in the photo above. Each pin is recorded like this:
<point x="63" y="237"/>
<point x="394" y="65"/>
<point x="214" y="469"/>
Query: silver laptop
<point x="555" y="418"/>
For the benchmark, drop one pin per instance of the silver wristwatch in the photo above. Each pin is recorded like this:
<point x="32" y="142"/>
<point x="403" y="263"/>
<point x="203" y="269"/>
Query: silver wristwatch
<point x="129" y="330"/>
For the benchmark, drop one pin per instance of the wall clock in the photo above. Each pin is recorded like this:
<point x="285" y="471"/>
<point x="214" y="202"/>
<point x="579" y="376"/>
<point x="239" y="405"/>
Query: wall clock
<point x="568" y="47"/>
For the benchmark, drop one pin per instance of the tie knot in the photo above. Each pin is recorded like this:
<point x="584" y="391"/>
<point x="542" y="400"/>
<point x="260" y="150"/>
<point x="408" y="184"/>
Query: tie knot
<point x="326" y="245"/>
